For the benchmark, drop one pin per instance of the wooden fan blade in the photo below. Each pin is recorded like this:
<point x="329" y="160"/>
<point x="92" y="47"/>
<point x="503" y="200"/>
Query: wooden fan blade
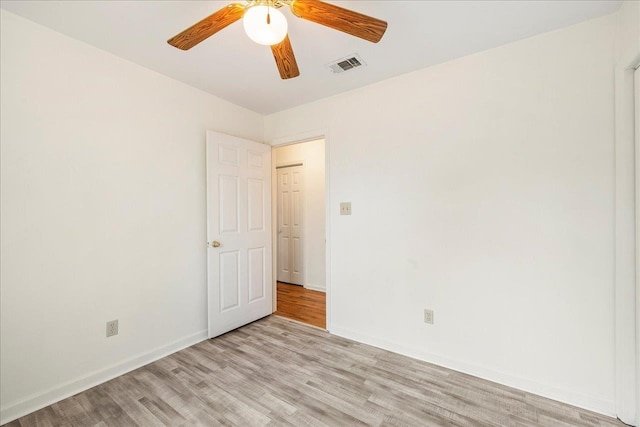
<point x="340" y="19"/>
<point x="285" y="59"/>
<point x="207" y="27"/>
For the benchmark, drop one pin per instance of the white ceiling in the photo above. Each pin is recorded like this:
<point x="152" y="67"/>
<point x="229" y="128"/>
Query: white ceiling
<point x="229" y="65"/>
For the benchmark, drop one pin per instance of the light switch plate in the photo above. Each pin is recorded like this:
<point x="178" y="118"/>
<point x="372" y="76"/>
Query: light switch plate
<point x="345" y="208"/>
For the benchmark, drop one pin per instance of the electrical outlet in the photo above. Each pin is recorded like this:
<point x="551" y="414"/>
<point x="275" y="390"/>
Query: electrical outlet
<point x="345" y="208"/>
<point x="112" y="328"/>
<point x="428" y="316"/>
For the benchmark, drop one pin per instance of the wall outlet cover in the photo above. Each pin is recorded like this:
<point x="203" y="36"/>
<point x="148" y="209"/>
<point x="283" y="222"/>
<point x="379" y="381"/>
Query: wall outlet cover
<point x="112" y="328"/>
<point x="428" y="316"/>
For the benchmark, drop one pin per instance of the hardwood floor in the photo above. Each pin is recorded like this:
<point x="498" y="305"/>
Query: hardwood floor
<point x="303" y="305"/>
<point x="280" y="373"/>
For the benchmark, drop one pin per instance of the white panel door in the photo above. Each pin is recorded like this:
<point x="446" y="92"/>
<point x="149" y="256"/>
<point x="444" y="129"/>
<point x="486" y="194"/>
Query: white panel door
<point x="284" y="224"/>
<point x="290" y="222"/>
<point x="238" y="232"/>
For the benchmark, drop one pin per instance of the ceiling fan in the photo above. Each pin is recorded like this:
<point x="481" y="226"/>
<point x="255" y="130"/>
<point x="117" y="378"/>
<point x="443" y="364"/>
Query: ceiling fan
<point x="266" y="25"/>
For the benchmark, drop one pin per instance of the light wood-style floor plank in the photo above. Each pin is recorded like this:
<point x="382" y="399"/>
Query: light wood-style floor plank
<point x="275" y="372"/>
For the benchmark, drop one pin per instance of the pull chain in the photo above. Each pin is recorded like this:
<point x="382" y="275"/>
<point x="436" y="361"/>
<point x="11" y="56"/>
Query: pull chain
<point x="268" y="14"/>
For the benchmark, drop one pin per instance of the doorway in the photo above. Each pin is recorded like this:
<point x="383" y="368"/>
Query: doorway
<point x="300" y="232"/>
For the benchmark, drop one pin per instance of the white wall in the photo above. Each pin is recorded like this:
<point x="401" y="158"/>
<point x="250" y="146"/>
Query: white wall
<point x="313" y="246"/>
<point x="482" y="188"/>
<point x="103" y="213"/>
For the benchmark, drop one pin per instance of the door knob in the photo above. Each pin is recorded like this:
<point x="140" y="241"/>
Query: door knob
<point x="215" y="244"/>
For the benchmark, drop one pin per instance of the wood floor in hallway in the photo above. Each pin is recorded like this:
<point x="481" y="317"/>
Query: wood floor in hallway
<point x="275" y="372"/>
<point x="303" y="305"/>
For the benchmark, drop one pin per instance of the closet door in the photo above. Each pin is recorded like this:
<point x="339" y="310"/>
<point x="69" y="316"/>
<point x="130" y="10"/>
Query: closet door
<point x="290" y="223"/>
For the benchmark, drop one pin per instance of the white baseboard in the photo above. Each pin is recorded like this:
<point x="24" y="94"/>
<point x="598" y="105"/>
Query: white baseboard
<point x="604" y="407"/>
<point x="46" y="398"/>
<point x="314" y="288"/>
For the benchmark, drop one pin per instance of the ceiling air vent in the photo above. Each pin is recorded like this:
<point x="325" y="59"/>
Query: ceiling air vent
<point x="347" y="63"/>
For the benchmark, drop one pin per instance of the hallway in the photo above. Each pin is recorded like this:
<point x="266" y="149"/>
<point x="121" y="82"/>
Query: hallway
<point x="303" y="305"/>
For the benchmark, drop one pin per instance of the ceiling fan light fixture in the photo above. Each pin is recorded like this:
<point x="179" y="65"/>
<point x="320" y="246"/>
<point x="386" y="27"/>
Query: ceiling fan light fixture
<point x="265" y="25"/>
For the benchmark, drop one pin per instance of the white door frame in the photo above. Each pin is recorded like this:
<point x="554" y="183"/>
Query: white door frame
<point x="637" y="224"/>
<point x="627" y="307"/>
<point x="290" y="140"/>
